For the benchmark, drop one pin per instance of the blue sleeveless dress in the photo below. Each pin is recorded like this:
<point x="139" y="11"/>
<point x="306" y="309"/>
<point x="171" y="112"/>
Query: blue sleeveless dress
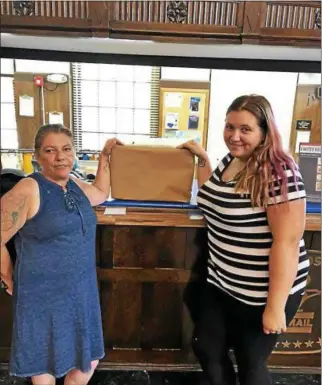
<point x="56" y="312"/>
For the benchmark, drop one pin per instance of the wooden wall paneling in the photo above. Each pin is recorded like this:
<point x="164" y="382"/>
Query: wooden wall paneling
<point x="308" y="239"/>
<point x="316" y="131"/>
<point x="287" y="22"/>
<point x="187" y="327"/>
<point x="162" y="316"/>
<point x="147" y="327"/>
<point x="148" y="248"/>
<point x="166" y="316"/>
<point x="253" y="14"/>
<point x="64" y="9"/>
<point x="127" y="314"/>
<point x="125" y="253"/>
<point x="171" y="245"/>
<point x="253" y="22"/>
<point x="107" y="300"/>
<point x="316" y="241"/>
<point x="56" y="98"/>
<point x="40" y="17"/>
<point x="26" y="126"/>
<point x="307" y="106"/>
<point x="145" y="286"/>
<point x="173" y="20"/>
<point x="106" y="237"/>
<point x="99" y="16"/>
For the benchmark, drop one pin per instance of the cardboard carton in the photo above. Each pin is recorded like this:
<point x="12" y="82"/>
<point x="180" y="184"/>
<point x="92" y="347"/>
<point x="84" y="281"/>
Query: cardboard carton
<point x="150" y="173"/>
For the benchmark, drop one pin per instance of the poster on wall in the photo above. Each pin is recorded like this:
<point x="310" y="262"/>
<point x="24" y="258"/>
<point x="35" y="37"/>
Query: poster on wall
<point x="193" y="122"/>
<point x="194" y="104"/>
<point x="171" y="121"/>
<point x="310" y="166"/>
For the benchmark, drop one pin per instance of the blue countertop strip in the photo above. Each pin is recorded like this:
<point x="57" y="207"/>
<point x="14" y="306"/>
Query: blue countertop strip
<point x="311" y="208"/>
<point x="152" y="204"/>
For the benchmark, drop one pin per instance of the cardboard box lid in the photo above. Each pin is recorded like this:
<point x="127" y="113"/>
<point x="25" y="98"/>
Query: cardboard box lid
<point x="151" y="173"/>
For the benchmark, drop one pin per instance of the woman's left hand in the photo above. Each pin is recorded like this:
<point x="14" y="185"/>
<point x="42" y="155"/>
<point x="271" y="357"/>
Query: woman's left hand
<point x="109" y="145"/>
<point x="274" y="320"/>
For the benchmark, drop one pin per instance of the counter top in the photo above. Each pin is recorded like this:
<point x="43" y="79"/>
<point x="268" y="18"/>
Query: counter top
<point x="173" y="218"/>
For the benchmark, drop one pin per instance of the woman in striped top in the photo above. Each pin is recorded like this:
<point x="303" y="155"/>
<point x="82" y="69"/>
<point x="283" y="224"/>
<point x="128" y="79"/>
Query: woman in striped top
<point x="254" y="205"/>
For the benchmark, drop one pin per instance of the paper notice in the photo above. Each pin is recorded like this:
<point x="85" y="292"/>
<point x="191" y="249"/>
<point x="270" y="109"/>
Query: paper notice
<point x="171" y="121"/>
<point x="26" y="106"/>
<point x="56" y="118"/>
<point x="302" y="137"/>
<point x="115" y="211"/>
<point x="173" y="99"/>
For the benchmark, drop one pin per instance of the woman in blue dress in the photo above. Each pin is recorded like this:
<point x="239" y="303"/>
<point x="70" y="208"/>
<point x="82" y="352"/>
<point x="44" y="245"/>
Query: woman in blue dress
<point x="57" y="327"/>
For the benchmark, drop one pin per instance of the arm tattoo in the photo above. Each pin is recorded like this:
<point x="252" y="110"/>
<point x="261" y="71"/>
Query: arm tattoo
<point x="9" y="218"/>
<point x="106" y="167"/>
<point x="201" y="162"/>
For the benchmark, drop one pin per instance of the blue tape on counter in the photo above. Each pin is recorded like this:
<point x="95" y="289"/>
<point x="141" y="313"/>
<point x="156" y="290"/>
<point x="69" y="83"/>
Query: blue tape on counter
<point x="165" y="205"/>
<point x="311" y="207"/>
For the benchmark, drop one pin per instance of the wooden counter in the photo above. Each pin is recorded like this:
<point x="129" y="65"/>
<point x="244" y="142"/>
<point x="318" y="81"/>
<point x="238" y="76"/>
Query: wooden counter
<point x="173" y="218"/>
<point x="150" y="262"/>
<point x="149" y="266"/>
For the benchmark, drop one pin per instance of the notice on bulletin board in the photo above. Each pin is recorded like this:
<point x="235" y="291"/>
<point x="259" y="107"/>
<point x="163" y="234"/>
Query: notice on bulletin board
<point x="310" y="166"/>
<point x="171" y="121"/>
<point x="173" y="99"/>
<point x="194" y="104"/>
<point x="193" y="122"/>
<point x="184" y="135"/>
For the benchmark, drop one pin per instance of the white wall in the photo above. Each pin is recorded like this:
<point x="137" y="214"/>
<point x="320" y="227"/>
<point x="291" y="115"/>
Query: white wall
<point x="42" y="66"/>
<point x="226" y="85"/>
<point x="153" y="48"/>
<point x="309" y="78"/>
<point x="187" y="74"/>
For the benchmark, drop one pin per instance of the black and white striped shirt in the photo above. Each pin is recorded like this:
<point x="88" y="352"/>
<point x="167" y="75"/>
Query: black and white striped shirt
<point x="240" y="239"/>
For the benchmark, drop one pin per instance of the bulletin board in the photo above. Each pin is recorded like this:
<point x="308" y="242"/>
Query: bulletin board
<point x="184" y="111"/>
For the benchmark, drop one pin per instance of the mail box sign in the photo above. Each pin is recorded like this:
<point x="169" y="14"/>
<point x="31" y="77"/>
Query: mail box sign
<point x="151" y="173"/>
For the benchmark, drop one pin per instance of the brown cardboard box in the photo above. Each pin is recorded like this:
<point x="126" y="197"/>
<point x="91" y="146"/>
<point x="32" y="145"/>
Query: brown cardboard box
<point x="150" y="173"/>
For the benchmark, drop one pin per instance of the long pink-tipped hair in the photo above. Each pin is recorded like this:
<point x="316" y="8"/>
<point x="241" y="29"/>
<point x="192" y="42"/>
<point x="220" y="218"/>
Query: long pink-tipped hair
<point x="266" y="166"/>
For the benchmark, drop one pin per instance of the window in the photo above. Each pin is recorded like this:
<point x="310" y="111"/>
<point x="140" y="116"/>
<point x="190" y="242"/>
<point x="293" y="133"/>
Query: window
<point x="112" y="100"/>
<point x="9" y="139"/>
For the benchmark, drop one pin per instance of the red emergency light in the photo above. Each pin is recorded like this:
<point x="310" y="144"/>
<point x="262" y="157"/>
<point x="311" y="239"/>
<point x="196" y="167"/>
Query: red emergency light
<point x="39" y="81"/>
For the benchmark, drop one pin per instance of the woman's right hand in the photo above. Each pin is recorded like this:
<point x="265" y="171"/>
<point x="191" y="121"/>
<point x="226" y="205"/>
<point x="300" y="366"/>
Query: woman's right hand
<point x="195" y="148"/>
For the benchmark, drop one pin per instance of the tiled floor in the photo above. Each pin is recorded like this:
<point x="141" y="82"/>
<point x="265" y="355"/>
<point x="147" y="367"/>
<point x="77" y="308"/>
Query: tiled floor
<point x="145" y="378"/>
